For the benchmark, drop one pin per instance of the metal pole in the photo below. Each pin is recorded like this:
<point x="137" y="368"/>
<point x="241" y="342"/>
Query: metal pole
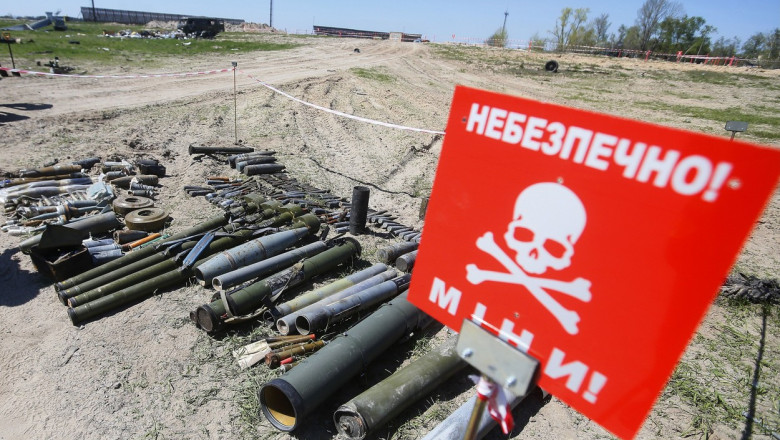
<point x="476" y="413"/>
<point x="13" y="64"/>
<point x="271" y="15"/>
<point x="235" y="104"/>
<point x="94" y="14"/>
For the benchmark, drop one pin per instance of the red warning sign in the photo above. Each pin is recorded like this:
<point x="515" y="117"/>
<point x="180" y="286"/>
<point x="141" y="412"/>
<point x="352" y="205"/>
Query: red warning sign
<point x="593" y="243"/>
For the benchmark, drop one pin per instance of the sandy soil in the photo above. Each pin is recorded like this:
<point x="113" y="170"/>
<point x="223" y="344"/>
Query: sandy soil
<point x="146" y="371"/>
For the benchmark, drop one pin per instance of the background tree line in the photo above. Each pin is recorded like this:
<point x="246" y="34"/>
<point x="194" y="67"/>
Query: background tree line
<point x="661" y="26"/>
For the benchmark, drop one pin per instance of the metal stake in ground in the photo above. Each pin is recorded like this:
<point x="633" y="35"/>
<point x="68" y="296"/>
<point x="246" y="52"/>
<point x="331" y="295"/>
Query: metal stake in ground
<point x="235" y="104"/>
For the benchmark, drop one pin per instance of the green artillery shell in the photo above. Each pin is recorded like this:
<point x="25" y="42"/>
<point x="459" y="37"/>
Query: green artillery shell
<point x="385" y="400"/>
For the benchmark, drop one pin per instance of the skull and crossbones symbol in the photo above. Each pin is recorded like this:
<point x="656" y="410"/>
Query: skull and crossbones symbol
<point x="548" y="220"/>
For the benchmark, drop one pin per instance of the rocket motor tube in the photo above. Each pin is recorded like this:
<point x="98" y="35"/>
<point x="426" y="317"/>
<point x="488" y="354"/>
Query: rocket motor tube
<point x="268" y="266"/>
<point x="248" y="253"/>
<point x="388" y="398"/>
<point x="251" y="297"/>
<point x="112" y="281"/>
<point x="317" y="319"/>
<point x="119" y="267"/>
<point x="288" y="399"/>
<point x="313" y="296"/>
<point x="139" y="290"/>
<point x="287" y="324"/>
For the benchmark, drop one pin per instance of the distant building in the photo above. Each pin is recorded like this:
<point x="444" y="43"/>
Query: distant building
<point x="136" y="17"/>
<point x="355" y="33"/>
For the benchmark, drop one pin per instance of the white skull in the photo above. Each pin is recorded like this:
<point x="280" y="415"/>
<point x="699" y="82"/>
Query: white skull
<point x="548" y="220"/>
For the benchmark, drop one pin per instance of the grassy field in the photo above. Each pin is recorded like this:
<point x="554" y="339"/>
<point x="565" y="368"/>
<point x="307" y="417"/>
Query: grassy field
<point x="84" y="45"/>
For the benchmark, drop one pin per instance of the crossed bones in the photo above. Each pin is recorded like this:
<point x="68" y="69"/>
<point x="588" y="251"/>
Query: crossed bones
<point x="578" y="288"/>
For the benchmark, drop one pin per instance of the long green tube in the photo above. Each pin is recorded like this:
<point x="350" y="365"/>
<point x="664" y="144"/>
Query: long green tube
<point x="143" y="288"/>
<point x="140" y="254"/>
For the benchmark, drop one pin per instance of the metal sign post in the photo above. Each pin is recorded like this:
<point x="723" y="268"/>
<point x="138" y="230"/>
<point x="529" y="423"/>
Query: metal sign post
<point x="235" y="104"/>
<point x="7" y="39"/>
<point x="499" y="362"/>
<point x="736" y="126"/>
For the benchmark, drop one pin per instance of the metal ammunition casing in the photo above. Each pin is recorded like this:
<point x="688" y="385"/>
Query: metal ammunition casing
<point x="232" y="160"/>
<point x="254" y="161"/>
<point x="91" y="225"/>
<point x="315" y="295"/>
<point x="273" y="359"/>
<point x="263" y="168"/>
<point x="406" y="261"/>
<point x="287" y="323"/>
<point x="317" y="319"/>
<point x="138" y="288"/>
<point x="143" y="179"/>
<point x="140" y="254"/>
<point x="267" y="266"/>
<point x="251" y="297"/>
<point x="249" y="253"/>
<point x="128" y="236"/>
<point x="390" y="253"/>
<point x="50" y="171"/>
<point x="202" y="149"/>
<point x="385" y="400"/>
<point x="288" y="399"/>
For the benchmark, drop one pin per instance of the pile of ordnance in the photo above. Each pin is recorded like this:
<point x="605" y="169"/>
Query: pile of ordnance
<point x="75" y="220"/>
<point x="273" y="240"/>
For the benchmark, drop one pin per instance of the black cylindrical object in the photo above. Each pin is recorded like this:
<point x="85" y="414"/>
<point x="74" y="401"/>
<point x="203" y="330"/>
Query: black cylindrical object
<point x="263" y="168"/>
<point x="359" y="210"/>
<point x="288" y="399"/>
<point x="202" y="149"/>
<point x="128" y="236"/>
<point x="144" y="179"/>
<point x="389" y="254"/>
<point x="406" y="261"/>
<point x="254" y="161"/>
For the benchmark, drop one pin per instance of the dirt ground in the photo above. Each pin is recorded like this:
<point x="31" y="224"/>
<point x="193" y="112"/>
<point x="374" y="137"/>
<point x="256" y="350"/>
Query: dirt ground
<point x="145" y="371"/>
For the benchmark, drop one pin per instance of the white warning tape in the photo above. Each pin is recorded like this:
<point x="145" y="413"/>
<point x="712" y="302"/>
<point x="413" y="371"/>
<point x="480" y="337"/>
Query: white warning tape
<point x="155" y="75"/>
<point x="335" y="112"/>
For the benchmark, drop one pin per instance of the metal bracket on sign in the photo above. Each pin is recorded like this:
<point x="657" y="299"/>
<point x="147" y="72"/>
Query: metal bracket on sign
<point x="502" y="363"/>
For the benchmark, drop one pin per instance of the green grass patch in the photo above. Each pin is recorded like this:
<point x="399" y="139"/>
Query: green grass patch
<point x="84" y="44"/>
<point x="372" y="74"/>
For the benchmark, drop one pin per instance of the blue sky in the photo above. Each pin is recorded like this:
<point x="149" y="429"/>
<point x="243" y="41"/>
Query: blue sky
<point x="436" y="20"/>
